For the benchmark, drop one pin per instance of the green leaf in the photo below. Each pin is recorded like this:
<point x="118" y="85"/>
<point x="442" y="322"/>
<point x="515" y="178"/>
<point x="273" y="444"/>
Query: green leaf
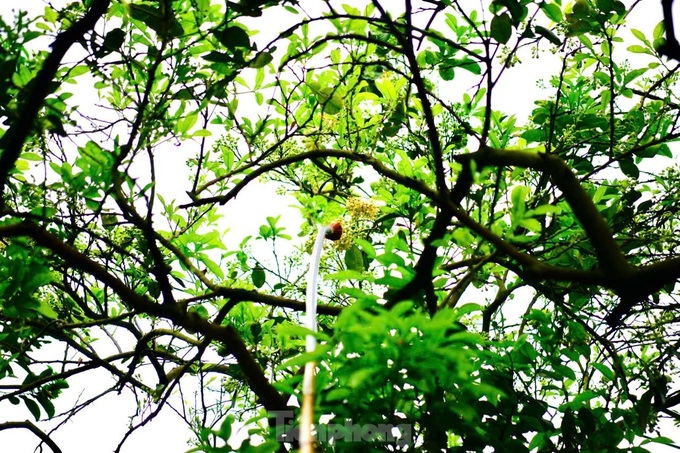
<point x="366" y="247"/>
<point x="333" y="105"/>
<point x="218" y="57"/>
<point x="113" y="40"/>
<point x="31" y="156"/>
<point x="261" y="60"/>
<point x="227" y="159"/>
<point x="46" y="404"/>
<point x="654" y="150"/>
<point x="328" y="96"/>
<point x="605" y="370"/>
<point x="354" y="259"/>
<point x="233" y="37"/>
<point x="467" y="308"/>
<point x="258" y="276"/>
<point x="607" y="6"/>
<point x="202" y="133"/>
<point x="186" y="123"/>
<point x="565" y="371"/>
<point x="200" y="310"/>
<point x="633" y="74"/>
<point x="578" y="28"/>
<point x="553" y="11"/>
<point x="347" y="275"/>
<point x="629" y="168"/>
<point x="45" y="211"/>
<point x="641" y="36"/>
<point x="290" y="329"/>
<point x="154" y="18"/>
<point x="581" y="8"/>
<point x="546" y="209"/>
<point x="44" y="309"/>
<point x="297" y="361"/>
<point x="518" y="199"/>
<point x="659" y="30"/>
<point x="635" y="48"/>
<point x="386" y="88"/>
<point x="501" y="28"/>
<point x="549" y="35"/>
<point x="584" y="397"/>
<point x="531" y="225"/>
<point x="79" y="70"/>
<point x="605" y="99"/>
<point x="358" y="377"/>
<point x="210" y="264"/>
<point x="226" y="427"/>
<point x="659" y="440"/>
<point x="32" y="407"/>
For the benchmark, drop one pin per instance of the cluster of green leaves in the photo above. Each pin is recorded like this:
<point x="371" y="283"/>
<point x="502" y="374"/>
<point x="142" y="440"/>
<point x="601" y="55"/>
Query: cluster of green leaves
<point x="470" y="297"/>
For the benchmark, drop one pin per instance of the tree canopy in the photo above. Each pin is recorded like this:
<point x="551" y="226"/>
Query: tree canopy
<point x="506" y="279"/>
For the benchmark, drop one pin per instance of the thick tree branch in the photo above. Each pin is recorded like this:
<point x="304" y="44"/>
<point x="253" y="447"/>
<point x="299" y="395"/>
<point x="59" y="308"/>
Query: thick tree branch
<point x="241" y="294"/>
<point x="490" y="310"/>
<point x="160" y="269"/>
<point x="464" y="282"/>
<point x="647" y="280"/>
<point x="671" y="48"/>
<point x="612" y="261"/>
<point x="422" y="280"/>
<point x="532" y="265"/>
<point x="268" y="395"/>
<point x="274" y="301"/>
<point x="19" y="389"/>
<point x="15" y="137"/>
<point x="35" y="430"/>
<point x="631" y="284"/>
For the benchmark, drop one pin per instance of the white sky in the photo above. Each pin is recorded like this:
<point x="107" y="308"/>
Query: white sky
<point x="101" y="427"/>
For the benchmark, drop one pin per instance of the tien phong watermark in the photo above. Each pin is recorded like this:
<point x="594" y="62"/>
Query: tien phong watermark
<point x="347" y="431"/>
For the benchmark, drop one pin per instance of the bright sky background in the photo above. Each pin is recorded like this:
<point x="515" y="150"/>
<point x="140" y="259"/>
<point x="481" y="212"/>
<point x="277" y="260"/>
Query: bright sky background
<point x="100" y="427"/>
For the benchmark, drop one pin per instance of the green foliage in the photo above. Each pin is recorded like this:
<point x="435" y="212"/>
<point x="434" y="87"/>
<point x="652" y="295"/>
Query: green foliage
<point x="506" y="277"/>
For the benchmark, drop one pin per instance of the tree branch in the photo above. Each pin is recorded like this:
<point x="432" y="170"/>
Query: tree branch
<point x="671" y="48"/>
<point x="406" y="41"/>
<point x="631" y="284"/>
<point x="13" y="141"/>
<point x="422" y="280"/>
<point x="265" y="391"/>
<point x="35" y="430"/>
<point x="612" y="261"/>
<point x="378" y="166"/>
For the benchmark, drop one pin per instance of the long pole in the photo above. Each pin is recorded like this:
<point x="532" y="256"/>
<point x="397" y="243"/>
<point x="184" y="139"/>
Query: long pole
<point x="333" y="232"/>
